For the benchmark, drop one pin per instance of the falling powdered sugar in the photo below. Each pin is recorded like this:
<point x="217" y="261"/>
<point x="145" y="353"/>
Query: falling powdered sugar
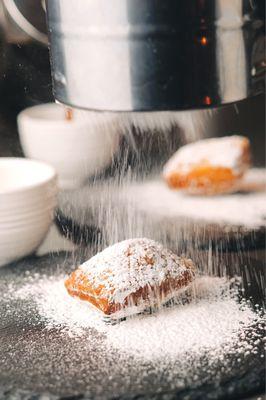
<point x="213" y="322"/>
<point x="246" y="208"/>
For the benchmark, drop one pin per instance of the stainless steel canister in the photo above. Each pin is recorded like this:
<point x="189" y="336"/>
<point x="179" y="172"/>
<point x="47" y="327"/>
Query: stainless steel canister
<point x="152" y="55"/>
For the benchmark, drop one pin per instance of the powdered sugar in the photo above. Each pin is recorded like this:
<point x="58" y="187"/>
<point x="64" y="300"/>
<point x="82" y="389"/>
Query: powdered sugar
<point x="137" y="208"/>
<point x="220" y="152"/>
<point x="240" y="209"/>
<point x="193" y="123"/>
<point x="213" y="320"/>
<point x="57" y="308"/>
<point x="125" y="267"/>
<point x="192" y="328"/>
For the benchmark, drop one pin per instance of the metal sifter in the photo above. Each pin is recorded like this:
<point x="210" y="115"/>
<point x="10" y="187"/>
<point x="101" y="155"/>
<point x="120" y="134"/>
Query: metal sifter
<point x="151" y="55"/>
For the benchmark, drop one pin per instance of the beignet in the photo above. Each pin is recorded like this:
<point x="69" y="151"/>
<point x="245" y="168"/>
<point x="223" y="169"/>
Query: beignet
<point x="209" y="166"/>
<point x="130" y="276"/>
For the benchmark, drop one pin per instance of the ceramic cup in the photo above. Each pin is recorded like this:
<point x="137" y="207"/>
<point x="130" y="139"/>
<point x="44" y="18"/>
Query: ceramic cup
<point x="78" y="148"/>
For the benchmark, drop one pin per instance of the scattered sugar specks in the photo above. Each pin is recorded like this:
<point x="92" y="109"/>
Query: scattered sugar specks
<point x="214" y="321"/>
<point x="51" y="341"/>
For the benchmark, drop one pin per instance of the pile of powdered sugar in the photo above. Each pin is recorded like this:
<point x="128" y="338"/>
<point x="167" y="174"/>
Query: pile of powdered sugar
<point x="205" y="326"/>
<point x="214" y="321"/>
<point x="247" y="208"/>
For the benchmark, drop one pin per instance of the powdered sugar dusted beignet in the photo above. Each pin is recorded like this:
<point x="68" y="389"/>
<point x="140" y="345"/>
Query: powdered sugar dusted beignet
<point x="131" y="276"/>
<point x="210" y="166"/>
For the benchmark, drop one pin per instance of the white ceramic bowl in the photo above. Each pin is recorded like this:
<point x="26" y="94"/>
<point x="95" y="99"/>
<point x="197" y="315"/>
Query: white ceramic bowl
<point x="20" y="217"/>
<point x="28" y="191"/>
<point x="77" y="149"/>
<point x="25" y="205"/>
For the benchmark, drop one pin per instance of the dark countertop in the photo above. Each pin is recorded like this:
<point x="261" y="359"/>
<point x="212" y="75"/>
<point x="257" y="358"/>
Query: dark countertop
<point x="38" y="364"/>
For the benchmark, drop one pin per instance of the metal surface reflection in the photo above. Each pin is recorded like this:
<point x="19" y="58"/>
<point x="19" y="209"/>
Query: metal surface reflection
<point x="153" y="55"/>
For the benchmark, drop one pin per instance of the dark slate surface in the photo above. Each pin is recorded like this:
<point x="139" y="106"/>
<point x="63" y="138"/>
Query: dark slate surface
<point x="39" y="364"/>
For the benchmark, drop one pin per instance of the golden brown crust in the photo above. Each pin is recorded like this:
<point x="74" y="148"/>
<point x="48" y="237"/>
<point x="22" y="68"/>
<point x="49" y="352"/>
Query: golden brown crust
<point x="204" y="179"/>
<point x="78" y="285"/>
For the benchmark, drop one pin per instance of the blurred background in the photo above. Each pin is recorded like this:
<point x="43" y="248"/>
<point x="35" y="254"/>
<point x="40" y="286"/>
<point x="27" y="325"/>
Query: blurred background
<point x="25" y="80"/>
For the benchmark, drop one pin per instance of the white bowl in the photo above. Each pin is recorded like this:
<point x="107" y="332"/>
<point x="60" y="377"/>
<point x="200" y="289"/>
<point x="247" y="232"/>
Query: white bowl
<point x="35" y="218"/>
<point x="28" y="191"/>
<point x="77" y="149"/>
<point x="26" y="205"/>
<point x="21" y="178"/>
<point x="16" y="235"/>
<point x="24" y="218"/>
<point x="13" y="235"/>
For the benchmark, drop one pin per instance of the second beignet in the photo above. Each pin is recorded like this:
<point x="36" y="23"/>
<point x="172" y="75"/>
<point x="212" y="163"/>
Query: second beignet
<point x="209" y="166"/>
<point x="131" y="276"/>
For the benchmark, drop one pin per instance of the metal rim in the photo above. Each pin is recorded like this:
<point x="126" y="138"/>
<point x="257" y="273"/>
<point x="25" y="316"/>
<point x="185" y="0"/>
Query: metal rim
<point x="23" y="23"/>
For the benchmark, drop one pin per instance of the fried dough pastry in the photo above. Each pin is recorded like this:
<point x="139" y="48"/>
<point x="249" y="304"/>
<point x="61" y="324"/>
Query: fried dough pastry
<point x="210" y="166"/>
<point x="131" y="276"/>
